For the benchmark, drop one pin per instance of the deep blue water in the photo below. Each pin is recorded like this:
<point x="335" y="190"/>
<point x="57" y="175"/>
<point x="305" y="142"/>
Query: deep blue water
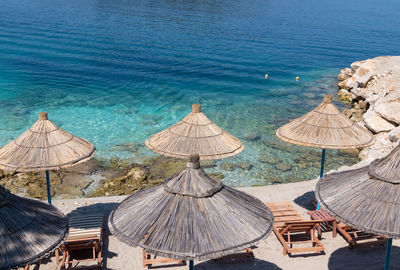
<point x="118" y="71"/>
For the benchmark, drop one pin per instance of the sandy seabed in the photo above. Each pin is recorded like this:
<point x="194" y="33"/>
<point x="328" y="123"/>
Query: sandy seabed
<point x="267" y="253"/>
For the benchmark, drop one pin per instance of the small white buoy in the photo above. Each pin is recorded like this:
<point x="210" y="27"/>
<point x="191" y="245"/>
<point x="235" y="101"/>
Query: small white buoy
<point x="266" y="76"/>
<point x="297" y="78"/>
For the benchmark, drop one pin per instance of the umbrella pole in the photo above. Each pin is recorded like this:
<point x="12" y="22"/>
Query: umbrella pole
<point x="321" y="173"/>
<point x="191" y="265"/>
<point x="48" y="187"/>
<point x="388" y="251"/>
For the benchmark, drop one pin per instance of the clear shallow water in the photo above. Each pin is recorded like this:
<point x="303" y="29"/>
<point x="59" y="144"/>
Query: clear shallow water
<point x="115" y="72"/>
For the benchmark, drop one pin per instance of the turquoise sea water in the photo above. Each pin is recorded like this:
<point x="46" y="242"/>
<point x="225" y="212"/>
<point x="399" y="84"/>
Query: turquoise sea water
<point x="115" y="72"/>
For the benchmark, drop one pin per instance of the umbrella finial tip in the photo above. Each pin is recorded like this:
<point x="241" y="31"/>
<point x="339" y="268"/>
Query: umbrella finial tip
<point x="193" y="158"/>
<point x="196" y="108"/>
<point x="43" y="116"/>
<point x="193" y="161"/>
<point x="327" y="98"/>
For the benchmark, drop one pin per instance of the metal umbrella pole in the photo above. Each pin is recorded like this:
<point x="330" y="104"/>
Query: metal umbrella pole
<point x="321" y="173"/>
<point x="388" y="251"/>
<point x="48" y="187"/>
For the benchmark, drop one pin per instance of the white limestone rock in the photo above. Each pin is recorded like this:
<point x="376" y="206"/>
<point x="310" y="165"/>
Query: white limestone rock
<point x="365" y="72"/>
<point x="382" y="147"/>
<point x="345" y="95"/>
<point x="376" y="83"/>
<point x="394" y="134"/>
<point x="354" y="66"/>
<point x="361" y="92"/>
<point x="390" y="111"/>
<point x="375" y="123"/>
<point x="349" y="83"/>
<point x="345" y="74"/>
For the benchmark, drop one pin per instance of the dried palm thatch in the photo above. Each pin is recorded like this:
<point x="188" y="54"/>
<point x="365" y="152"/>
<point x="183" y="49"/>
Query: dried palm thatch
<point x="44" y="147"/>
<point x="325" y="127"/>
<point x="367" y="198"/>
<point x="29" y="229"/>
<point x="191" y="215"/>
<point x="195" y="134"/>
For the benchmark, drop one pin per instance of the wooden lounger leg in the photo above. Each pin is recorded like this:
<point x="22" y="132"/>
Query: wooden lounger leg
<point x="99" y="257"/>
<point x="144" y="258"/>
<point x="63" y="260"/>
<point x="67" y="257"/>
<point x="319" y="231"/>
<point x="57" y="256"/>
<point x="334" y="228"/>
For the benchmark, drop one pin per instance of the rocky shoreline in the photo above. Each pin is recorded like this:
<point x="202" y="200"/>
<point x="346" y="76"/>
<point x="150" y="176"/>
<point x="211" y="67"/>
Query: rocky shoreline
<point x="372" y="87"/>
<point x="97" y="177"/>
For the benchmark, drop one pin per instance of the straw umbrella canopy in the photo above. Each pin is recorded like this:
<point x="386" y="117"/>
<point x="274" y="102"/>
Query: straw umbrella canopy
<point x="325" y="127"/>
<point x="191" y="216"/>
<point x="366" y="198"/>
<point x="29" y="229"/>
<point x="44" y="147"/>
<point x="195" y="134"/>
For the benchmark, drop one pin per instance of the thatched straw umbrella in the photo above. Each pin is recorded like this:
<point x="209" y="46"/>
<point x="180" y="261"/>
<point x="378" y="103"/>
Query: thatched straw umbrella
<point x="366" y="198"/>
<point x="29" y="230"/>
<point x="191" y="215"/>
<point x="195" y="134"/>
<point x="325" y="127"/>
<point x="44" y="147"/>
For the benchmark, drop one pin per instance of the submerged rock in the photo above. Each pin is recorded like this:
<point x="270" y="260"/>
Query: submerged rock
<point x="208" y="163"/>
<point x="227" y="166"/>
<point x="275" y="180"/>
<point x="293" y="180"/>
<point x="134" y="180"/>
<point x="283" y="166"/>
<point x="129" y="146"/>
<point x="161" y="167"/>
<point x="216" y="175"/>
<point x="269" y="158"/>
<point x="265" y="173"/>
<point x="244" y="165"/>
<point x="280" y="145"/>
<point x="252" y="137"/>
<point x="354" y="152"/>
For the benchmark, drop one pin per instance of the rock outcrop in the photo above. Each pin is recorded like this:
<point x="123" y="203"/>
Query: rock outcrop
<point x="373" y="88"/>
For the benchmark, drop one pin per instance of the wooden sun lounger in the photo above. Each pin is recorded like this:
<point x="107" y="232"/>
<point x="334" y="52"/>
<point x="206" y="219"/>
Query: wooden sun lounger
<point x="291" y="229"/>
<point x="150" y="259"/>
<point x="357" y="238"/>
<point x="246" y="253"/>
<point x="85" y="234"/>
